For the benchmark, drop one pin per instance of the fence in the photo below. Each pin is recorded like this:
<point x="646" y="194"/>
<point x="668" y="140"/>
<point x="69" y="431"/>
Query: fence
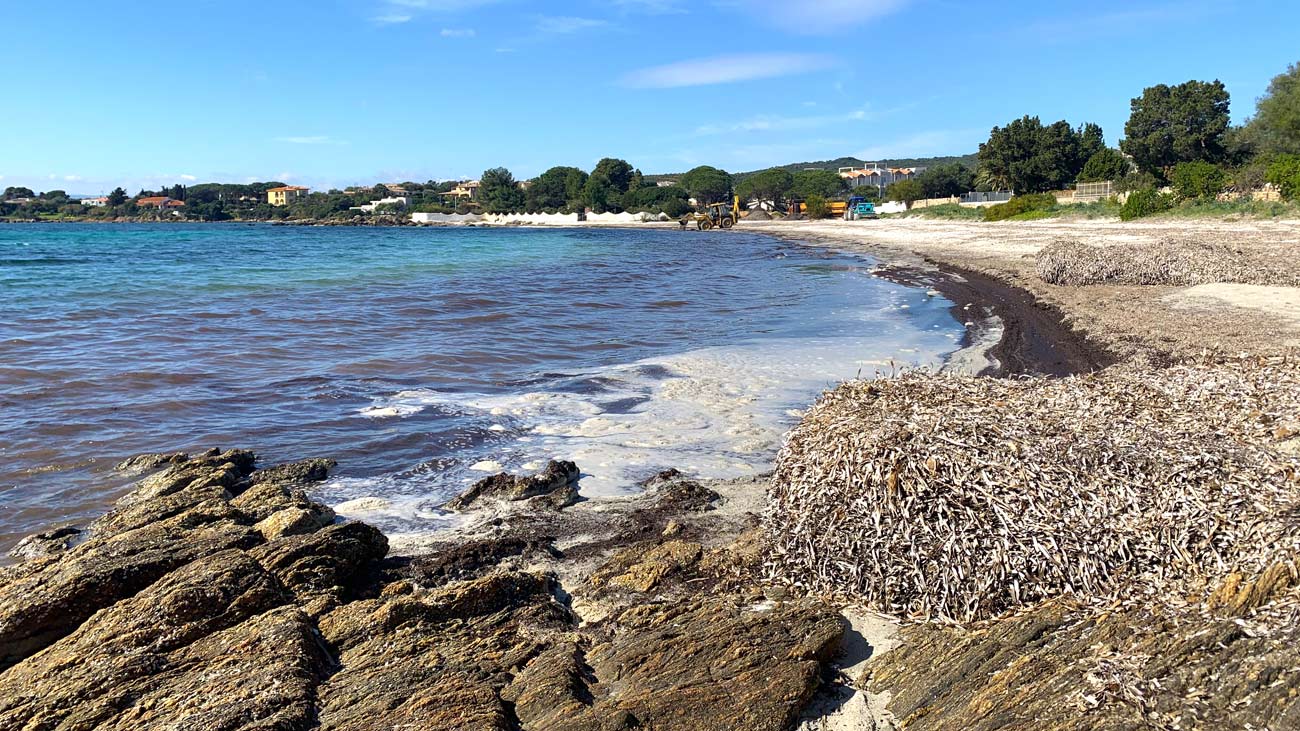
<point x="994" y="196"/>
<point x="1089" y="192"/>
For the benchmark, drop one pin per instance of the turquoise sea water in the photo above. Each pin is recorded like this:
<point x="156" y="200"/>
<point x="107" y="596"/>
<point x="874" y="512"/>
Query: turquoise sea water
<point x="422" y="358"/>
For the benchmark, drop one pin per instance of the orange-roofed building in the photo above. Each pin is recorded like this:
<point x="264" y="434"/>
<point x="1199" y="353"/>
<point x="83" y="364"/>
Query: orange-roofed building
<point x="285" y="195"/>
<point x="158" y="201"/>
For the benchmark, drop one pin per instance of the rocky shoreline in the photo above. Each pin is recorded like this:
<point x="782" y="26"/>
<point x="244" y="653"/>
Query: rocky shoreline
<point x="218" y="594"/>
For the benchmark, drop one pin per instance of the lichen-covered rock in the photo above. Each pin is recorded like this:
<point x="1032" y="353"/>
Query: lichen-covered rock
<point x="220" y="597"/>
<point x="707" y="665"/>
<point x="101" y="672"/>
<point x="437" y="661"/>
<point x="643" y="567"/>
<point x="1064" y="666"/>
<point x="49" y="598"/>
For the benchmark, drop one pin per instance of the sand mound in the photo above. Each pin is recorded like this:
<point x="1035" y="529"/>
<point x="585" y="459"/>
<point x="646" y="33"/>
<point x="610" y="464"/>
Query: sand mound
<point x="758" y="214"/>
<point x="1071" y="262"/>
<point x="959" y="497"/>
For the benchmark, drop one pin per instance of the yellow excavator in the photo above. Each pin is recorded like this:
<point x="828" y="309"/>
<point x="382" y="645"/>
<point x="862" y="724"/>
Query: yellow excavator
<point x="720" y="215"/>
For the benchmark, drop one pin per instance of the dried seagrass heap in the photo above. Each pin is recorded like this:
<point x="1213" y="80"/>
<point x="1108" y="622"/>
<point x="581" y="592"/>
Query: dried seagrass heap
<point x="958" y="498"/>
<point x="1173" y="262"/>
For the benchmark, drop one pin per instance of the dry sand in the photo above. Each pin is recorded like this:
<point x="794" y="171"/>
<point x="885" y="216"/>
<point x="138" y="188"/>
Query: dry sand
<point x="1150" y="323"/>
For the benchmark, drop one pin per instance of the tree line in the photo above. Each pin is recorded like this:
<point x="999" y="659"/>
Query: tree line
<point x="1179" y="136"/>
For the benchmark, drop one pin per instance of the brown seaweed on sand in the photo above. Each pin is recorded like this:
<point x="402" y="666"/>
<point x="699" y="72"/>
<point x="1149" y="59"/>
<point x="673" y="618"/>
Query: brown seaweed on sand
<point x="1169" y="261"/>
<point x="959" y="498"/>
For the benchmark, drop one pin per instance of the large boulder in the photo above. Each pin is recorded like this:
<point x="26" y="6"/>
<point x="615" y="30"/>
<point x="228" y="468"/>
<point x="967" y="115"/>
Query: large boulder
<point x="554" y="485"/>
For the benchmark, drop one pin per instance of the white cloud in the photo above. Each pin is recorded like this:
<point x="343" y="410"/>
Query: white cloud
<point x="311" y="140"/>
<point x="394" y="12"/>
<point x="188" y="178"/>
<point x="458" y="33"/>
<point x="813" y="17"/>
<point x="73" y="178"/>
<point x="726" y="70"/>
<point x="778" y="123"/>
<point x="564" y="25"/>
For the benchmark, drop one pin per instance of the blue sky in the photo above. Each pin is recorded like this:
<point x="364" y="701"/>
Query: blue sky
<point x="336" y="92"/>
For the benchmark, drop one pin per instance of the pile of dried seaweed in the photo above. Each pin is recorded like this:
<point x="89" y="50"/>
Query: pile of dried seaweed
<point x="1173" y="262"/>
<point x="957" y="497"/>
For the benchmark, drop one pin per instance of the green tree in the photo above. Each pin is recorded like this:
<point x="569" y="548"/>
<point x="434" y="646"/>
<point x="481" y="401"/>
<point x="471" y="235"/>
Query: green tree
<point x="1197" y="179"/>
<point x="1032" y="158"/>
<point x="825" y="183"/>
<point x="1276" y="125"/>
<point x="1173" y="124"/>
<point x="617" y="174"/>
<point x="499" y="192"/>
<point x="946" y="179"/>
<point x="18" y="192"/>
<point x="1105" y="164"/>
<point x="817" y="206"/>
<point x="598" y="196"/>
<point x="671" y="200"/>
<point x="772" y="185"/>
<point x="906" y="191"/>
<point x="117" y="197"/>
<point x="707" y="184"/>
<point x="558" y="187"/>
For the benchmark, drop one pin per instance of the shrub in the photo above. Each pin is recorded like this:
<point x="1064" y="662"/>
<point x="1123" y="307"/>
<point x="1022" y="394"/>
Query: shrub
<point x="1019" y="205"/>
<point x="1197" y="179"/>
<point x="1135" y="180"/>
<point x="1284" y="172"/>
<point x="905" y="191"/>
<point x="1145" y="202"/>
<point x="817" y="206"/>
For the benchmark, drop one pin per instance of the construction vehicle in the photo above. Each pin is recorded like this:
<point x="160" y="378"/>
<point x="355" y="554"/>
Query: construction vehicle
<point x="719" y="215"/>
<point x="859" y="208"/>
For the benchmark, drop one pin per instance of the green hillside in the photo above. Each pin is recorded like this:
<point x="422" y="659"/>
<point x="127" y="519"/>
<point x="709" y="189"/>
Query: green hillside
<point x="843" y="162"/>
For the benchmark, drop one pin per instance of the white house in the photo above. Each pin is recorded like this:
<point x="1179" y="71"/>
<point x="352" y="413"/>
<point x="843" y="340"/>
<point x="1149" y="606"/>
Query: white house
<point x="99" y="202"/>
<point x="396" y="201"/>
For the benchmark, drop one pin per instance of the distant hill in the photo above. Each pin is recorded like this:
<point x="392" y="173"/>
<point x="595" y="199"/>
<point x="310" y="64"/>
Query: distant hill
<point x="844" y="162"/>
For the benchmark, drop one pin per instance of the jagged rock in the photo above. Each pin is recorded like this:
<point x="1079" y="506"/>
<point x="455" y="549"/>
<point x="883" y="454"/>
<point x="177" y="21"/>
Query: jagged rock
<point x="47" y="543"/>
<point x="304" y="472"/>
<point x="642" y="567"/>
<point x="177" y="489"/>
<point x="330" y="561"/>
<point x="49" y="598"/>
<point x="699" y="666"/>
<point x="146" y="462"/>
<point x="554" y="483"/>
<point x="97" y="676"/>
<point x="459" y="561"/>
<point x="437" y="661"/>
<point x="1059" y="665"/>
<point x="197" y="603"/>
<point x="292" y="522"/>
<point x="679" y="493"/>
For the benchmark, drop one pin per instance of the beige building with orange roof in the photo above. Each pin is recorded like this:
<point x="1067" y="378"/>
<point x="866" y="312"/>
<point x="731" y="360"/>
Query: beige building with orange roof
<point x="283" y="196"/>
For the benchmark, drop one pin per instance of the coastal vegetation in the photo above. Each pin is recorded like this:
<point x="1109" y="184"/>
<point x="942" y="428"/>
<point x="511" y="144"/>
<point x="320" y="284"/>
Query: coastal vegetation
<point x="1179" y="154"/>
